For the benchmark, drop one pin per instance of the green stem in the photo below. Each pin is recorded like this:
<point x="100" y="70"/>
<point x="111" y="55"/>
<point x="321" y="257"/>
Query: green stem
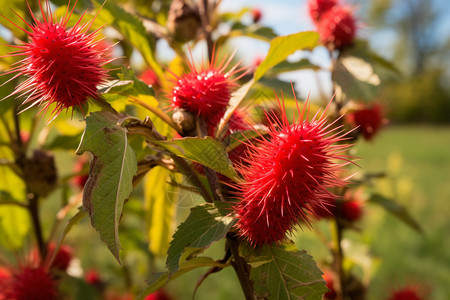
<point x="34" y="213"/>
<point x="241" y="268"/>
<point x="159" y="113"/>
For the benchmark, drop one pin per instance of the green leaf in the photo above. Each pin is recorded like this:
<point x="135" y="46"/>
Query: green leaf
<point x="131" y="28"/>
<point x="14" y="220"/>
<point x="9" y="11"/>
<point x="238" y="138"/>
<point x="205" y="225"/>
<point x="287" y="275"/>
<point x="355" y="77"/>
<point x="206" y="151"/>
<point x="186" y="266"/>
<point x="397" y="210"/>
<point x="283" y="46"/>
<point x="67" y="142"/>
<point x="287" y="66"/>
<point x="359" y="72"/>
<point x="159" y="210"/>
<point x="255" y="30"/>
<point x="110" y="176"/>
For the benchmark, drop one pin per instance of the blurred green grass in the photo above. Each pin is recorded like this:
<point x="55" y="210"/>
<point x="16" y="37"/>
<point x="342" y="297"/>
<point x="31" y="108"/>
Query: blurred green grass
<point x="417" y="162"/>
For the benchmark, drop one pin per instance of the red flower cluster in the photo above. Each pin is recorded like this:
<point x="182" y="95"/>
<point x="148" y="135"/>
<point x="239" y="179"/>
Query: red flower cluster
<point x="335" y="23"/>
<point x="63" y="65"/>
<point x="368" y="119"/>
<point x="287" y="175"/>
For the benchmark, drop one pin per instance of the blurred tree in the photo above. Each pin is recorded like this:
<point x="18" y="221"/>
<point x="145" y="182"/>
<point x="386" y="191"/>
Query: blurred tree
<point x="420" y="48"/>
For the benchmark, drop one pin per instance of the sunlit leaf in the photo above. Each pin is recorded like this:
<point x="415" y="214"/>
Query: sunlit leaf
<point x="283" y="46"/>
<point x="288" y="274"/>
<point x="287" y="66"/>
<point x="11" y="11"/>
<point x="14" y="220"/>
<point x="110" y="176"/>
<point x="159" y="210"/>
<point x="205" y="225"/>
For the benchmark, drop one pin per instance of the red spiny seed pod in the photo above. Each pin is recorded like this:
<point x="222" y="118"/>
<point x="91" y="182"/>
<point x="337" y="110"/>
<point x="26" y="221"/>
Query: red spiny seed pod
<point x="369" y="120"/>
<point x="32" y="284"/>
<point x="286" y="176"/>
<point x="317" y="8"/>
<point x="406" y="293"/>
<point x="62" y="65"/>
<point x="93" y="277"/>
<point x="327" y="211"/>
<point x="235" y="123"/>
<point x="337" y="27"/>
<point x="62" y="258"/>
<point x="149" y="77"/>
<point x="158" y="295"/>
<point x="256" y="14"/>
<point x="328" y="276"/>
<point x="206" y="91"/>
<point x="351" y="209"/>
<point x="80" y="179"/>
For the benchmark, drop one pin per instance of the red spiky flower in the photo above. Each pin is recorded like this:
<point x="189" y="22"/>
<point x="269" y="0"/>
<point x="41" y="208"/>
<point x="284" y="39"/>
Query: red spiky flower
<point x="287" y="174"/>
<point x="317" y="8"/>
<point x="30" y="284"/>
<point x="369" y="120"/>
<point x="205" y="92"/>
<point x="337" y="27"/>
<point x="62" y="65"/>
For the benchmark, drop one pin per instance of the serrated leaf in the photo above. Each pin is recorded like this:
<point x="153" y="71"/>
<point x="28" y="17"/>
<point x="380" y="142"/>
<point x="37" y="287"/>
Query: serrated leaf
<point x="159" y="210"/>
<point x="397" y="210"/>
<point x="205" y="225"/>
<point x="110" y="175"/>
<point x="288" y="275"/>
<point x="206" y="151"/>
<point x="163" y="278"/>
<point x="238" y="138"/>
<point x="283" y="46"/>
<point x="131" y="28"/>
